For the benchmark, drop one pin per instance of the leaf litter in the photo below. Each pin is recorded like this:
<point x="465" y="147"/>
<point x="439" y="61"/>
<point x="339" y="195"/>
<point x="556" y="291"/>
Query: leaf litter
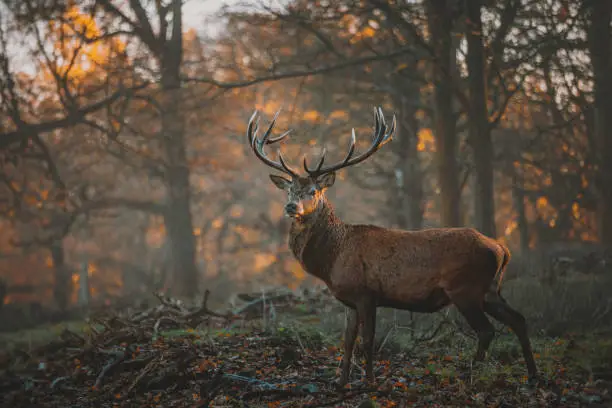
<point x="174" y="356"/>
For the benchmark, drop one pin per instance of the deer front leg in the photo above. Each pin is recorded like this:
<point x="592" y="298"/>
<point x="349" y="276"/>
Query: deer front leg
<point x="367" y="314"/>
<point x="350" y="335"/>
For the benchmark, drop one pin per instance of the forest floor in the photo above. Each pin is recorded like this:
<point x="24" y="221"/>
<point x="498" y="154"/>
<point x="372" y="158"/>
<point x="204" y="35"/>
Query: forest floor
<point x="162" y="357"/>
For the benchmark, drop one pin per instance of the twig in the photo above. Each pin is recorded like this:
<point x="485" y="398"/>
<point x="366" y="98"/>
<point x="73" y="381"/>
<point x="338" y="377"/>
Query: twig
<point x="148" y="368"/>
<point x="166" y="319"/>
<point x="276" y="392"/>
<point x="110" y="366"/>
<point x="345" y="397"/>
<point x="299" y="340"/>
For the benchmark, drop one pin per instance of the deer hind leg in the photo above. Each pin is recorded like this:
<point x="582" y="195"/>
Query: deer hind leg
<point x="501" y="311"/>
<point x="367" y="314"/>
<point x="479" y="322"/>
<point x="350" y="335"/>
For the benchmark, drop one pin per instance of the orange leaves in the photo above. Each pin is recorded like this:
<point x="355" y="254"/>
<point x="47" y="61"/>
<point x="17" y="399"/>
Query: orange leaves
<point x="576" y="211"/>
<point x="426" y="141"/>
<point x="236" y="211"/>
<point x="547" y="211"/>
<point x="316" y="116"/>
<point x="338" y="115"/>
<point x="91" y="268"/>
<point x="263" y="261"/>
<point x="584" y="183"/>
<point x="311" y="115"/>
<point x="512" y="225"/>
<point x="217" y="223"/>
<point x="366" y="32"/>
<point x="81" y="22"/>
<point x="401" y="67"/>
<point x="76" y="39"/>
<point x="542" y="202"/>
<point x="269" y="108"/>
<point x="207" y="364"/>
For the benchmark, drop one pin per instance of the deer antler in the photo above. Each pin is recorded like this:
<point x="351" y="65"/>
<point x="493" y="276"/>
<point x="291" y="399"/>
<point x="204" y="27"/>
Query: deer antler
<point x="258" y="145"/>
<point x="381" y="137"/>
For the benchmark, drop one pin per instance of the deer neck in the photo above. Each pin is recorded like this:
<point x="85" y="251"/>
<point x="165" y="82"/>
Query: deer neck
<point x="316" y="240"/>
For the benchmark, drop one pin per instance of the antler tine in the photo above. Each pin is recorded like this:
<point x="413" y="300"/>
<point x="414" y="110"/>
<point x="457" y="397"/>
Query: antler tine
<point x="351" y="149"/>
<point x="286" y="167"/>
<point x="382" y="135"/>
<point x="378" y="120"/>
<point x="266" y="135"/>
<point x="279" y="138"/>
<point x="258" y="145"/>
<point x="252" y="127"/>
<point x="319" y="165"/>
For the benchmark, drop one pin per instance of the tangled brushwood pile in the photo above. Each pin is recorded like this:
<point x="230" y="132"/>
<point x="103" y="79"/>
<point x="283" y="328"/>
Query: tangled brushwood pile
<point x="162" y="357"/>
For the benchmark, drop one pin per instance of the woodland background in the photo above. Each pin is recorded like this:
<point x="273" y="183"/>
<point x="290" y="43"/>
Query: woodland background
<point x="123" y="146"/>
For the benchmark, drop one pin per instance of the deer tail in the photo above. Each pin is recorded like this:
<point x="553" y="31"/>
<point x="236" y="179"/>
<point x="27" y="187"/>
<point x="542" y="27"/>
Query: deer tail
<point x="502" y="267"/>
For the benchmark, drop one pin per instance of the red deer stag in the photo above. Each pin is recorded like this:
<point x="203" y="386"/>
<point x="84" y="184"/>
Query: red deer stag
<point x="366" y="267"/>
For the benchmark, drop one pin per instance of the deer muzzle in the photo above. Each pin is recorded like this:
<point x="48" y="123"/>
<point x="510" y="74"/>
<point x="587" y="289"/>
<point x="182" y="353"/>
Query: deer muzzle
<point x="293" y="210"/>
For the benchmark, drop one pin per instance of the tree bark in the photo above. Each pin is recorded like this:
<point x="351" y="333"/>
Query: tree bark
<point x="440" y="25"/>
<point x="600" y="47"/>
<point x="166" y="45"/>
<point x="177" y="219"/>
<point x="409" y="187"/>
<point x="518" y="195"/>
<point x="479" y="129"/>
<point x="62" y="282"/>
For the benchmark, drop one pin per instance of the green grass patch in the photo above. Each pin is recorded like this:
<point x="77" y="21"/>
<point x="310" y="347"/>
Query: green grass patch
<point x="31" y="338"/>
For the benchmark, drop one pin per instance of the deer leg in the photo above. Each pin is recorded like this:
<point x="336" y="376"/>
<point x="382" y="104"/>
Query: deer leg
<point x="368" y="316"/>
<point x="479" y="322"/>
<point x="502" y="312"/>
<point x="350" y="335"/>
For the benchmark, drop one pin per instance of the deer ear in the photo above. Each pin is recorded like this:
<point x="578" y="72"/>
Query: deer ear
<point x="327" y="180"/>
<point x="280" y="181"/>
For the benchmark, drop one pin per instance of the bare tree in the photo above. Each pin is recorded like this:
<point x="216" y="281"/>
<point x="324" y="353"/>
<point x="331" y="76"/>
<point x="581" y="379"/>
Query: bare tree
<point x="440" y="25"/>
<point x="166" y="46"/>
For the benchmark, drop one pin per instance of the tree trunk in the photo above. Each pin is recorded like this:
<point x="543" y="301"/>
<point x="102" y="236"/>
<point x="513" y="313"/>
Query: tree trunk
<point x="62" y="282"/>
<point x="131" y="274"/>
<point x="166" y="45"/>
<point x="440" y="27"/>
<point x="479" y="129"/>
<point x="518" y="194"/>
<point x="178" y="219"/>
<point x="409" y="187"/>
<point x="600" y="47"/>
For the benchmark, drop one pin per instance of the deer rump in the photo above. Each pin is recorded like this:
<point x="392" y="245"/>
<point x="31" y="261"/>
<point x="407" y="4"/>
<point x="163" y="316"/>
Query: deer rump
<point x="421" y="271"/>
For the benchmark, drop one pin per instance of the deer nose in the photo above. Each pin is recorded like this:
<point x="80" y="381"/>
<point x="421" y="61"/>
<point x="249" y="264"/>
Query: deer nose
<point x="291" y="208"/>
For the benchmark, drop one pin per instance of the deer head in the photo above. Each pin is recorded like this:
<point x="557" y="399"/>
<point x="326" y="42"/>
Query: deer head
<point x="306" y="193"/>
